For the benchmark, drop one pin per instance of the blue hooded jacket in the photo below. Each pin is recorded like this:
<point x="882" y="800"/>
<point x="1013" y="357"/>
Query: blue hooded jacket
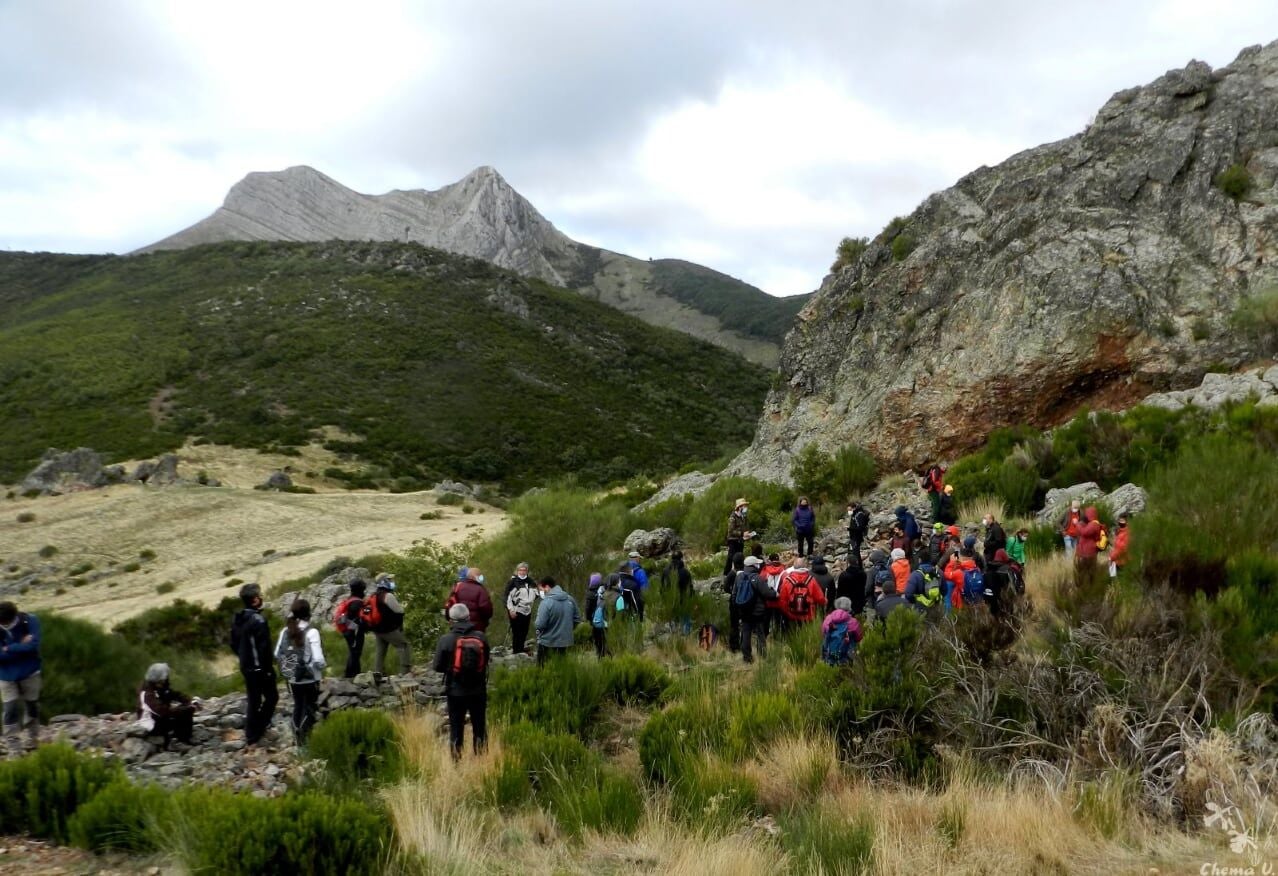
<point x="909" y="525"/>
<point x="19" y="659"/>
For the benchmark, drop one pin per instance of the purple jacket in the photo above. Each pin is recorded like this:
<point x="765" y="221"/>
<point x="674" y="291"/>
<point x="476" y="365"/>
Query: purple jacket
<point x="804" y="519"/>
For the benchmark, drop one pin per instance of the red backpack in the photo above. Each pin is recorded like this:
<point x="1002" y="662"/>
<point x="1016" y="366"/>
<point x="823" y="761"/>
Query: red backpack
<point x="469" y="662"/>
<point x="346" y="616"/>
<point x="800" y="604"/>
<point x="371" y="612"/>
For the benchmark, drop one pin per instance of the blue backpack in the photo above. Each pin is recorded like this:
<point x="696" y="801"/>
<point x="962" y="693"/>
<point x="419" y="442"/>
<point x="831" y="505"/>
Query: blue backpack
<point x="973" y="586"/>
<point x="743" y="593"/>
<point x="837" y="646"/>
<point x="599" y="621"/>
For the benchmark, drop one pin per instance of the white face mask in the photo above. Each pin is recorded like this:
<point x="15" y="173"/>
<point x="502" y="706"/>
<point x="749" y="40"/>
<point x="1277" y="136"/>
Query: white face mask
<point x="522" y="576"/>
<point x="480" y="579"/>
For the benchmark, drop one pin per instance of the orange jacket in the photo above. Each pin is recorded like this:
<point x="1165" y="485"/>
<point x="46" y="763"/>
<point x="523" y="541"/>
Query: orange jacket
<point x="1073" y="520"/>
<point x="901" y="572"/>
<point x="816" y="595"/>
<point x="1088" y="535"/>
<point x="1118" y="553"/>
<point x="954" y="574"/>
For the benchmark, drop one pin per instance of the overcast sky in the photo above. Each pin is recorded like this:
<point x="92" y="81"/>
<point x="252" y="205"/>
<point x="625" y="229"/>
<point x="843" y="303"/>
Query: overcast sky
<point x="748" y="136"/>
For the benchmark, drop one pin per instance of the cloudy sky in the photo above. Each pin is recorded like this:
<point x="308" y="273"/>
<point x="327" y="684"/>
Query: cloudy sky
<point x="749" y="136"/>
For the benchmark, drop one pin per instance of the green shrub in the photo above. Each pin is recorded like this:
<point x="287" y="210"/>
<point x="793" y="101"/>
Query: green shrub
<point x="423" y="575"/>
<point x="1042" y="542"/>
<point x="120" y="817"/>
<point x="902" y="245"/>
<point x="713" y="795"/>
<point x="669" y="741"/>
<point x="87" y="671"/>
<point x="450" y="499"/>
<point x="358" y="745"/>
<point x="41" y="791"/>
<point x="146" y="554"/>
<point x="1257" y="318"/>
<point x="817" y="691"/>
<point x="951" y="824"/>
<point x="604" y="800"/>
<point x="48" y="551"/>
<point x="849" y="251"/>
<point x="820" y="842"/>
<point x="220" y="832"/>
<point x="1235" y="181"/>
<point x="166" y="587"/>
<point x="183" y="625"/>
<point x="757" y="719"/>
<point x="131" y="567"/>
<point x="27" y="517"/>
<point x="632" y="680"/>
<point x="562" y="696"/>
<point x="706" y="523"/>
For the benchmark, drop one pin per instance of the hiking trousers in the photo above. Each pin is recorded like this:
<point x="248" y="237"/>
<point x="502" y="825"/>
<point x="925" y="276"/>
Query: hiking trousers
<point x="386" y="640"/>
<point x="805" y="537"/>
<point x="600" y="637"/>
<point x="262" y="697"/>
<point x="305" y="709"/>
<point x="519" y="632"/>
<point x="758" y="631"/>
<point x="21" y="705"/>
<point x="354" y="651"/>
<point x="476" y="705"/>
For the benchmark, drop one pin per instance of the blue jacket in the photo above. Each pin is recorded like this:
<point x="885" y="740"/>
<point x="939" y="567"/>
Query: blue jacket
<point x="556" y="619"/>
<point x="19" y="659"/>
<point x="804" y="519"/>
<point x="909" y="525"/>
<point x="639" y="574"/>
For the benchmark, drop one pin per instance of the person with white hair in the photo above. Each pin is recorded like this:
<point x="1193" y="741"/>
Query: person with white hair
<point x="462" y="657"/>
<point x="163" y="711"/>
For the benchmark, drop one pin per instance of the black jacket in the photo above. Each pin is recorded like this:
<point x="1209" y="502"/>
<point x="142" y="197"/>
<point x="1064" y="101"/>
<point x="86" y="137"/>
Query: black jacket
<point x="859" y="524"/>
<point x="679" y="572"/>
<point x="757" y="608"/>
<point x="251" y="641"/>
<point x="821" y="572"/>
<point x="995" y="540"/>
<point x="889" y="604"/>
<point x="851" y="583"/>
<point x="945" y="513"/>
<point x="444" y="660"/>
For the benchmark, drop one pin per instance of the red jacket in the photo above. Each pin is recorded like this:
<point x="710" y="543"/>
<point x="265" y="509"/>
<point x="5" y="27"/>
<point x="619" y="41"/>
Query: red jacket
<point x="767" y="573"/>
<point x="901" y="572"/>
<point x="954" y="574"/>
<point x="816" y="595"/>
<point x="472" y="595"/>
<point x="1118" y="553"/>
<point x="1072" y="521"/>
<point x="1088" y="536"/>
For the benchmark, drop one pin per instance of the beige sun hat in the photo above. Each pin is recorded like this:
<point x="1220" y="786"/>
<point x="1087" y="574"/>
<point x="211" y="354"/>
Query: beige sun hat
<point x="741" y="503"/>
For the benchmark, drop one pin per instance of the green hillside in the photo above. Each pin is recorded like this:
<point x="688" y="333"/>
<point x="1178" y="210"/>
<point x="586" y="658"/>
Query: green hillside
<point x="437" y="364"/>
<point x="739" y="306"/>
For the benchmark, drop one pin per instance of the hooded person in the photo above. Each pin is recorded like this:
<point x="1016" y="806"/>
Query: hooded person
<point x="600" y="599"/>
<point x="800" y="597"/>
<point x="909" y="525"/>
<point x="840" y="633"/>
<point x="462" y="657"/>
<point x="557" y="617"/>
<point x="1118" y="553"/>
<point x="995" y="537"/>
<point x="858" y="520"/>
<point x="521" y="594"/>
<point x="821" y="571"/>
<point x="1087" y="547"/>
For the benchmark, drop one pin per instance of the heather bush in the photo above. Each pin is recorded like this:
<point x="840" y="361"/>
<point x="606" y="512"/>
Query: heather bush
<point x="183" y="625"/>
<point x="123" y="816"/>
<point x="714" y="795"/>
<point x="825" y="842"/>
<point x="563" y="696"/>
<point x="358" y="745"/>
<point x="40" y="792"/>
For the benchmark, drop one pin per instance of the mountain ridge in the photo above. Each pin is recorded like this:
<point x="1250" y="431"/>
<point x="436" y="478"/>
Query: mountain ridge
<point x="483" y="216"/>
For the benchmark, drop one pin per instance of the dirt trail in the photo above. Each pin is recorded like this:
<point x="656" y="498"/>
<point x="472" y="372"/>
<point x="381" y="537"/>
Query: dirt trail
<point x="202" y="537"/>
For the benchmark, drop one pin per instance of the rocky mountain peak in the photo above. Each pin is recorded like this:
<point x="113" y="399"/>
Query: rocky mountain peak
<point x="1084" y="273"/>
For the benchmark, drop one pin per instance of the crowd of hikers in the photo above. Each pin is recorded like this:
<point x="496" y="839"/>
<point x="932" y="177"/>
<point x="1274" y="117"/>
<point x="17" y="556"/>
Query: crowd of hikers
<point x="934" y="572"/>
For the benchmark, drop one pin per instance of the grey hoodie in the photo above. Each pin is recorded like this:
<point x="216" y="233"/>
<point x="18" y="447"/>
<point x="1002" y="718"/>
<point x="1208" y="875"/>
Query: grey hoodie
<point x="556" y="618"/>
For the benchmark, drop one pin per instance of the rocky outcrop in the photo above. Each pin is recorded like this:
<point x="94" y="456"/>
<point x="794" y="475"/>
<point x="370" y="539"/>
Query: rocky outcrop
<point x="693" y="483"/>
<point x="454" y="488"/>
<point x="1083" y="273"/>
<point x="1218" y="389"/>
<point x="1127" y="499"/>
<point x="82" y="469"/>
<point x="652" y="543"/>
<point x="482" y="216"/>
<point x="325" y="596"/>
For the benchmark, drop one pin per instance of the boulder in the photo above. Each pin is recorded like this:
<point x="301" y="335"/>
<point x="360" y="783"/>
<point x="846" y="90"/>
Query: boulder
<point x="454" y="487"/>
<point x="1058" y="501"/>
<point x="1216" y="390"/>
<point x="165" y="472"/>
<point x="325" y="596"/>
<point x="113" y="474"/>
<point x="278" y="480"/>
<point x="1127" y="499"/>
<point x="652" y="543"/>
<point x="143" y="472"/>
<point x="60" y="472"/>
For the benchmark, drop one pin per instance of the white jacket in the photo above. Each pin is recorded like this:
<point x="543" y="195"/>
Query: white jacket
<point x="314" y="653"/>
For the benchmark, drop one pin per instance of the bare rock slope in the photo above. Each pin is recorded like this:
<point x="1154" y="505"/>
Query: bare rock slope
<point x="484" y="217"/>
<point x="1087" y="272"/>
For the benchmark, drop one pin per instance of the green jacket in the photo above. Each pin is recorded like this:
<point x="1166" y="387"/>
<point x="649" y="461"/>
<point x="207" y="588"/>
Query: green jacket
<point x="1016" y="549"/>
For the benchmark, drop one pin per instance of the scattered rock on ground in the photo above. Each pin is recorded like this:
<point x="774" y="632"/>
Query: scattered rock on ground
<point x="652" y="543"/>
<point x="278" y="480"/>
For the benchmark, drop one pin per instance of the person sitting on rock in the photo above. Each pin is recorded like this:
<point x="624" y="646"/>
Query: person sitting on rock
<point x="163" y="711"/>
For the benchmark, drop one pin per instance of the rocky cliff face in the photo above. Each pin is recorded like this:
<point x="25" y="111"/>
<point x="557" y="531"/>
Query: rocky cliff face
<point x="1083" y="273"/>
<point x="480" y="216"/>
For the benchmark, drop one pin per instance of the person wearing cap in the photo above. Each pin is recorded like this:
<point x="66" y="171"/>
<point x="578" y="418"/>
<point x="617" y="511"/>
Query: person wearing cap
<point x="251" y="641"/>
<point x="20" y="676"/>
<point x="162" y="711"/>
<point x="390" y="631"/>
<point x="1118" y="552"/>
<point x="738" y="532"/>
<point x="521" y="593"/>
<point x="754" y="613"/>
<point x="465" y="694"/>
<point x="945" y="511"/>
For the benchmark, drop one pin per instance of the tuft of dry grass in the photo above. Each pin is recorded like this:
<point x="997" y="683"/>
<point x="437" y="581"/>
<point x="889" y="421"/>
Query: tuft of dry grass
<point x="974" y="509"/>
<point x="793" y="771"/>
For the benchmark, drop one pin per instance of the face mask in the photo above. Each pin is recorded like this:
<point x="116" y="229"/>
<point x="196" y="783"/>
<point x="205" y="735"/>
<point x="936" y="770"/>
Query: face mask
<point x="480" y="579"/>
<point x="521" y="576"/>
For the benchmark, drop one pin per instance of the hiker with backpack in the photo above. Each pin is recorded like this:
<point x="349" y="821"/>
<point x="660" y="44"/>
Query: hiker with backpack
<point x="924" y="588"/>
<point x="601" y="602"/>
<point x="750" y="597"/>
<point x="521" y="593"/>
<point x="462" y="657"/>
<point x="20" y="677"/>
<point x="880" y="564"/>
<point x="858" y="529"/>
<point x="1118" y="553"/>
<point x="163" y="711"/>
<point x="891" y="600"/>
<point x="967" y="575"/>
<point x="349" y="624"/>
<point x="909" y="526"/>
<point x="557" y="617"/>
<point x="840" y="633"/>
<point x="800" y="595"/>
<point x="1006" y="582"/>
<point x="628" y="586"/>
<point x="1090" y="533"/>
<point x="301" y="659"/>
<point x="804" y="521"/>
<point x="472" y="593"/>
<point x="251" y="642"/>
<point x="384" y="615"/>
<point x="933" y="483"/>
